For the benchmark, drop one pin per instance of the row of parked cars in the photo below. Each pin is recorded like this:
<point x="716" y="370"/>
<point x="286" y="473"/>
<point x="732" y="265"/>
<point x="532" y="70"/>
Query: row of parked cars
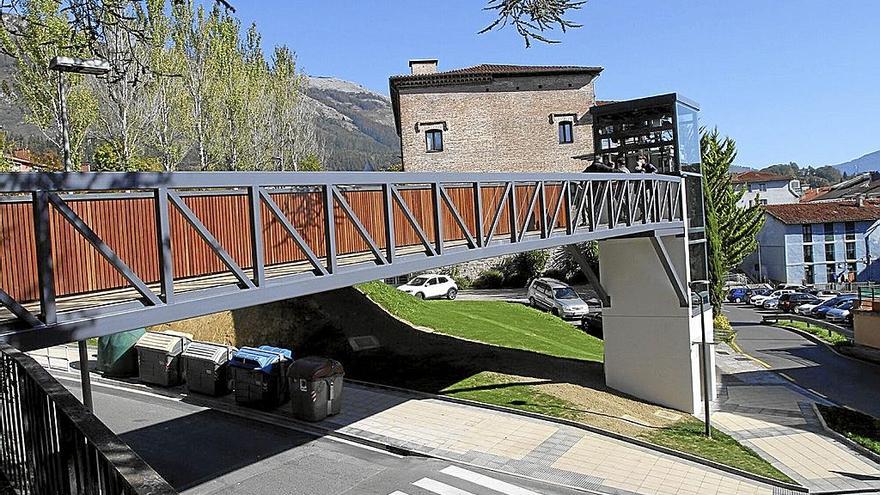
<point x="799" y="300"/>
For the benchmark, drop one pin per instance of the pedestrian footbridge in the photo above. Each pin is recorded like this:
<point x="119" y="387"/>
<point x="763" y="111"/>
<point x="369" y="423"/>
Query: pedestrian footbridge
<point x="90" y="254"/>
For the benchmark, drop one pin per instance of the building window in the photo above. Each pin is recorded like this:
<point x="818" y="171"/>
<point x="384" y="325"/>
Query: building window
<point x="434" y="140"/>
<point x="762" y="187"/>
<point x="829" y="251"/>
<point x="808" y="232"/>
<point x="763" y="202"/>
<point x="850" y="228"/>
<point x="809" y="276"/>
<point x="808" y="253"/>
<point x="829" y="231"/>
<point x="566" y="132"/>
<point x="851" y="250"/>
<point x="830" y="274"/>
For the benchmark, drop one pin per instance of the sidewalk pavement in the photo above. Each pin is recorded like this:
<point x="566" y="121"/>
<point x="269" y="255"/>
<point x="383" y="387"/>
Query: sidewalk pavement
<point x="775" y="418"/>
<point x="514" y="444"/>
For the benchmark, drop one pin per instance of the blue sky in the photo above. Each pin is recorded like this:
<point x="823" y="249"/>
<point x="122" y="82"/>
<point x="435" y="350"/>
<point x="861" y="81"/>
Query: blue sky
<point x="790" y="80"/>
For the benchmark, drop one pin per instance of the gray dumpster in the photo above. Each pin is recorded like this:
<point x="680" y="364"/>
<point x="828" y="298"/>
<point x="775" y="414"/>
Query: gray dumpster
<point x="315" y="388"/>
<point x="206" y="368"/>
<point x="159" y="357"/>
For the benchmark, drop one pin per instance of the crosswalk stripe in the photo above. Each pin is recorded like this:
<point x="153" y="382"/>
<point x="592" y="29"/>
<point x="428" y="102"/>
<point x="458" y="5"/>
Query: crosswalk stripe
<point x="486" y="481"/>
<point x="439" y="488"/>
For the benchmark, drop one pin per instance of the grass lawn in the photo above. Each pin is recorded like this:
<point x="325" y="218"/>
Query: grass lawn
<point x="687" y="436"/>
<point x="520" y="327"/>
<point x="858" y="427"/>
<point x="491" y="322"/>
<point x="832" y="337"/>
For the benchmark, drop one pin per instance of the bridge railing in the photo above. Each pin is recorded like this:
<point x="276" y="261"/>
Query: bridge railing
<point x="50" y="444"/>
<point x="80" y="245"/>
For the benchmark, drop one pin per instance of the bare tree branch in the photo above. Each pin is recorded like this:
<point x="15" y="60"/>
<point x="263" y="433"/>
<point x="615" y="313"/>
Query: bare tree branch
<point x="532" y="18"/>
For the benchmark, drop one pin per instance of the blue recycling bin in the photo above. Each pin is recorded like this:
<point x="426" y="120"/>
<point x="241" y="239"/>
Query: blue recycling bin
<point x="260" y="376"/>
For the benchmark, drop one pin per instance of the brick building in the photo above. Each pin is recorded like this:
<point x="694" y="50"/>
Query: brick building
<point x="494" y="118"/>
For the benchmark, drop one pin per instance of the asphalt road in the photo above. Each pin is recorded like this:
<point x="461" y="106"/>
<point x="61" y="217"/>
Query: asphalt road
<point x="845" y="381"/>
<point x="201" y="451"/>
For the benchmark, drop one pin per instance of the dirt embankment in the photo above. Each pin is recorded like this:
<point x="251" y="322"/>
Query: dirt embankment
<point x="322" y="324"/>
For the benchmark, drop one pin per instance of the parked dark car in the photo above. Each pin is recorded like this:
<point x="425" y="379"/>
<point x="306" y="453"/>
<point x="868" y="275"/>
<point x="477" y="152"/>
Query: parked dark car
<point x="787" y="302"/>
<point x="820" y="310"/>
<point x="592" y="324"/>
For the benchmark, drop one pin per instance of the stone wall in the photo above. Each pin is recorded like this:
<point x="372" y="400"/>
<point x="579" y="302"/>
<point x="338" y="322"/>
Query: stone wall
<point x="508" y="125"/>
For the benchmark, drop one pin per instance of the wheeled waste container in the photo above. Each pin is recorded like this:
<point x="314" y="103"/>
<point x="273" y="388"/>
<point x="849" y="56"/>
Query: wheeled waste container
<point x="117" y="355"/>
<point x="159" y="357"/>
<point x="315" y="387"/>
<point x="206" y="368"/>
<point x="260" y="375"/>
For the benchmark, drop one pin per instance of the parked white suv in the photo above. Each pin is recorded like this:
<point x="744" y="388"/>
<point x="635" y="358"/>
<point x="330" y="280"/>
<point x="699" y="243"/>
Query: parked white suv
<point x="759" y="300"/>
<point x="431" y="286"/>
<point x="557" y="297"/>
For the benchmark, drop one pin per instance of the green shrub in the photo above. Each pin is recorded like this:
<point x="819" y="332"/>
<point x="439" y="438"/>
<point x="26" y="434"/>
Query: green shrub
<point x="723" y="329"/>
<point x="556" y="273"/>
<point x="489" y="279"/>
<point x="519" y="269"/>
<point x="460" y="280"/>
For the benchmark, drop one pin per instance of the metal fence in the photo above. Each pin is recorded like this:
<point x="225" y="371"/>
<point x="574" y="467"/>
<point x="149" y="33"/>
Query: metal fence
<point x="52" y="445"/>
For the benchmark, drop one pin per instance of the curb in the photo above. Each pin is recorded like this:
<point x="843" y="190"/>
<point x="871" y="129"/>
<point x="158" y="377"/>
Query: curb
<point x="593" y="429"/>
<point x="870" y="454"/>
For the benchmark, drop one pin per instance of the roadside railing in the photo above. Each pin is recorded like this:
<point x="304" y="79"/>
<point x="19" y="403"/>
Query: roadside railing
<point x="50" y="444"/>
<point x="831" y="327"/>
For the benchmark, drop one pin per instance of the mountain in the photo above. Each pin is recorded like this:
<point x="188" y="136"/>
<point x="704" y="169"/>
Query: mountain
<point x="865" y="163"/>
<point x="356" y="124"/>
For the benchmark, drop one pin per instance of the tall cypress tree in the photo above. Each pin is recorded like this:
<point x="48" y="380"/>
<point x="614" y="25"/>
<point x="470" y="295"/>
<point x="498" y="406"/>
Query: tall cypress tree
<point x="731" y="230"/>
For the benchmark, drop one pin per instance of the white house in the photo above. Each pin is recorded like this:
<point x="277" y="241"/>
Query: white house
<point x="767" y="188"/>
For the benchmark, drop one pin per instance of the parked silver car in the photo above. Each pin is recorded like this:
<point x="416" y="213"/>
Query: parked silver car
<point x="557" y="297"/>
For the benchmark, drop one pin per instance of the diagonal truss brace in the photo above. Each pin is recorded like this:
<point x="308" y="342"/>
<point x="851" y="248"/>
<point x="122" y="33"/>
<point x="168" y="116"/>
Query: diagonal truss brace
<point x="103" y="249"/>
<point x="456" y="215"/>
<point x="297" y="237"/>
<point x="582" y="262"/>
<point x="669" y="268"/>
<point x="18" y="310"/>
<point x="212" y="241"/>
<point x="365" y="235"/>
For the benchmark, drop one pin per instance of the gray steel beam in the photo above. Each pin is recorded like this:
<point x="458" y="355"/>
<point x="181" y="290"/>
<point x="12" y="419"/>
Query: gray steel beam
<point x="255" y="215"/>
<point x="671" y="273"/>
<point x="438" y="217"/>
<point x="497" y="216"/>
<point x="388" y="217"/>
<point x="456" y="215"/>
<point x="359" y="226"/>
<point x="123" y="181"/>
<point x="592" y="278"/>
<point x="330" y="228"/>
<point x="104" y="321"/>
<point x="163" y="240"/>
<point x="18" y="310"/>
<point x="407" y="213"/>
<point x="45" y="263"/>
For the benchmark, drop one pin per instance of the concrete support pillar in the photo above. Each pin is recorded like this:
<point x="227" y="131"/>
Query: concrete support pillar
<point x="650" y="339"/>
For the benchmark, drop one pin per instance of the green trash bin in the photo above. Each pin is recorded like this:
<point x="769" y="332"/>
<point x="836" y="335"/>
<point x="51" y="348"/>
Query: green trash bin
<point x="117" y="355"/>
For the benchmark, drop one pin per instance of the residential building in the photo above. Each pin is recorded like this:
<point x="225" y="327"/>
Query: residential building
<point x="866" y="185"/>
<point x="766" y="188"/>
<point x="818" y="243"/>
<point x="494" y="118"/>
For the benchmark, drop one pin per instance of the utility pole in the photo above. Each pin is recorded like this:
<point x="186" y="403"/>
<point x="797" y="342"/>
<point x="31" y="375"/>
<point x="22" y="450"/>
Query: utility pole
<point x="707" y="363"/>
<point x="95" y="67"/>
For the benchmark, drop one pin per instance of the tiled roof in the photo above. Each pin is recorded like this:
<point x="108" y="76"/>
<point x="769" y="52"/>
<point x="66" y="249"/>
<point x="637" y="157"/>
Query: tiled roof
<point x="757" y="176"/>
<point x="504" y="70"/>
<point x="838" y="211"/>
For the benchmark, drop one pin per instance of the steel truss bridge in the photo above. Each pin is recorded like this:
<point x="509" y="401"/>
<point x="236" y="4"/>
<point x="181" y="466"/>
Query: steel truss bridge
<point x="91" y="254"/>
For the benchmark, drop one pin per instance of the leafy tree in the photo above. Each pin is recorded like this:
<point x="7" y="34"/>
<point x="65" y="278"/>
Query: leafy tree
<point x="5" y="147"/>
<point x="310" y="163"/>
<point x="568" y="268"/>
<point x="731" y="230"/>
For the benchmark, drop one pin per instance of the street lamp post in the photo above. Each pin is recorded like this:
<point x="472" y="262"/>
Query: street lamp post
<point x="707" y="371"/>
<point x="93" y="67"/>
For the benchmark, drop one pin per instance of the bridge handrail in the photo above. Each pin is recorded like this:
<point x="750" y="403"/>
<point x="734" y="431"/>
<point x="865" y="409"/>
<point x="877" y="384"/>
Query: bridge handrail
<point x="51" y="444"/>
<point x="109" y="181"/>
